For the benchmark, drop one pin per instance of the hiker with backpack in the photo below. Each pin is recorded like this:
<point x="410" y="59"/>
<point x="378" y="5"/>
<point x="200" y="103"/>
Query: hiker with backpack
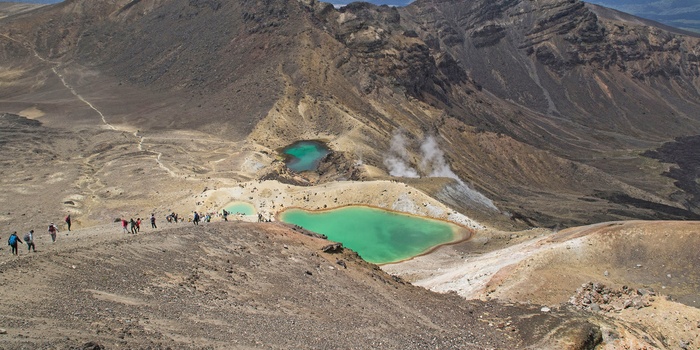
<point x="68" y="222"/>
<point x="196" y="218"/>
<point x="29" y="239"/>
<point x="132" y="225"/>
<point x="52" y="231"/>
<point x="12" y="242"/>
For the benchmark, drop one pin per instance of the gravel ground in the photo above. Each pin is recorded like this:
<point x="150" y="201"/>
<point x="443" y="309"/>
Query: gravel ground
<point x="243" y="285"/>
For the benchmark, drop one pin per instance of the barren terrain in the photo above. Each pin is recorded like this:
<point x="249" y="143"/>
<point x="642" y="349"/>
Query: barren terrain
<point x="508" y="275"/>
<point x="549" y="268"/>
<point x="242" y="285"/>
<point x="564" y="142"/>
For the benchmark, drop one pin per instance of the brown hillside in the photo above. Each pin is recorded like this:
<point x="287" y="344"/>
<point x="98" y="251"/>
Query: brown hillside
<point x="531" y="103"/>
<point x="641" y="273"/>
<point x="247" y="286"/>
<point x="519" y="120"/>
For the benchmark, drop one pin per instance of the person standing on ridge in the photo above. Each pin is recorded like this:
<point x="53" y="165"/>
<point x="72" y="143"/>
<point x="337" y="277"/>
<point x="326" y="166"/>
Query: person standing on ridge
<point x="132" y="225"/>
<point x="153" y="220"/>
<point x="53" y="230"/>
<point x="12" y="242"/>
<point x="196" y="218"/>
<point x="125" y="224"/>
<point x="29" y="239"/>
<point x="68" y="222"/>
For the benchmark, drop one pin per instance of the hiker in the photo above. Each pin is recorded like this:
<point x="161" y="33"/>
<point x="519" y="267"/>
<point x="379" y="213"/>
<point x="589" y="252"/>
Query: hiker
<point x="12" y="242"/>
<point x="138" y="225"/>
<point x="29" y="239"/>
<point x="153" y="221"/>
<point x="132" y="225"/>
<point x="125" y="224"/>
<point x="68" y="221"/>
<point x="196" y="218"/>
<point x="225" y="215"/>
<point x="52" y="231"/>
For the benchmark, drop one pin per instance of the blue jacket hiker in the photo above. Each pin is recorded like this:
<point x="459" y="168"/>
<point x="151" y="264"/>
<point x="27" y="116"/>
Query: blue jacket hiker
<point x="196" y="218"/>
<point x="12" y="242"/>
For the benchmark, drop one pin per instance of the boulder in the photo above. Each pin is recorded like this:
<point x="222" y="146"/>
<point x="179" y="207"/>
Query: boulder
<point x="333" y="248"/>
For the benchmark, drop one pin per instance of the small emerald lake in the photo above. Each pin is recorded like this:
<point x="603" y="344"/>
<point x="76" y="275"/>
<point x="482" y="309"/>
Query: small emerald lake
<point x="305" y="155"/>
<point x="240" y="208"/>
<point x="379" y="236"/>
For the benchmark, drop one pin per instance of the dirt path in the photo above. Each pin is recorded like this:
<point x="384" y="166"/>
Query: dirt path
<point x="81" y="98"/>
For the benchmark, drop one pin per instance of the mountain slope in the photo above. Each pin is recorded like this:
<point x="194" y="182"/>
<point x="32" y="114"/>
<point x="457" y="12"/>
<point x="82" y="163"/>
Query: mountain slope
<point x="492" y="115"/>
<point x="683" y="14"/>
<point x="250" y="286"/>
<point x="544" y="107"/>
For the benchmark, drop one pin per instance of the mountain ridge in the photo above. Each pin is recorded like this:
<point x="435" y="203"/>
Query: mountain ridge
<point x="507" y="81"/>
<point x="677" y="14"/>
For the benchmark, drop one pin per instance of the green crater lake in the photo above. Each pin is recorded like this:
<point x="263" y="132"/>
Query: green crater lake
<point x="305" y="155"/>
<point x="240" y="208"/>
<point x="378" y="235"/>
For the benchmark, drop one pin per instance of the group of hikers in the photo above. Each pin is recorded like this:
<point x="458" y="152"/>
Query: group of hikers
<point x="13" y="241"/>
<point x="206" y="217"/>
<point x="130" y="226"/>
<point x="198" y="217"/>
<point x="134" y="226"/>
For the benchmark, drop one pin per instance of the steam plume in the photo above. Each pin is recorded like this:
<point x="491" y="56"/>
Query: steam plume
<point x="397" y="160"/>
<point x="432" y="163"/>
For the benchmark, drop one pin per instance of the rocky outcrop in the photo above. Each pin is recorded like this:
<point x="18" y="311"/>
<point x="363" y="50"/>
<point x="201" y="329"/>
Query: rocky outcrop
<point x="598" y="297"/>
<point x="488" y="35"/>
<point x="374" y="37"/>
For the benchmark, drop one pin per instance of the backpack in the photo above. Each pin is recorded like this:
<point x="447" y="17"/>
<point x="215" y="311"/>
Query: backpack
<point x="12" y="240"/>
<point x="52" y="228"/>
<point x="26" y="237"/>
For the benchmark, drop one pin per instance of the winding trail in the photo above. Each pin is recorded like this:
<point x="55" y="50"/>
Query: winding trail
<point x="30" y="48"/>
<point x="81" y="98"/>
<point x="63" y="80"/>
<point x="158" y="154"/>
<point x="54" y="69"/>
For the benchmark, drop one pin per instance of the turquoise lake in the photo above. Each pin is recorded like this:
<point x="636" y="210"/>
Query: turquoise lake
<point x="379" y="236"/>
<point x="240" y="208"/>
<point x="305" y="155"/>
